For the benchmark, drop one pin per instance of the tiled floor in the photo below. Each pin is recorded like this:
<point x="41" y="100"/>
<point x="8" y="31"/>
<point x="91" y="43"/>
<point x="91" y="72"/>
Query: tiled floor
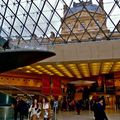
<point x="6" y="113"/>
<point x="86" y="115"/>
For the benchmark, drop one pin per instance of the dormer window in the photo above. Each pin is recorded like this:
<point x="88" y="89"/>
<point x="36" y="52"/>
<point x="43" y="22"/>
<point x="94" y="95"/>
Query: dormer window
<point x="98" y="22"/>
<point x="82" y="26"/>
<point x="69" y="27"/>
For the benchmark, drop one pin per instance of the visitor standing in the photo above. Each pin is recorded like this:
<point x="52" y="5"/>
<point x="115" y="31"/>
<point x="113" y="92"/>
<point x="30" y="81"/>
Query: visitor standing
<point x="35" y="110"/>
<point x="46" y="109"/>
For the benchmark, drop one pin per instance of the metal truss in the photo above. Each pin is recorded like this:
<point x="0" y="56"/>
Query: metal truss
<point x="34" y="20"/>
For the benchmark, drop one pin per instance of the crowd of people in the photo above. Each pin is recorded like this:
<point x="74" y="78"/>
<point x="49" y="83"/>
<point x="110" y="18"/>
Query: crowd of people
<point x="34" y="110"/>
<point x="97" y="105"/>
<point x="40" y="109"/>
<point x="20" y="108"/>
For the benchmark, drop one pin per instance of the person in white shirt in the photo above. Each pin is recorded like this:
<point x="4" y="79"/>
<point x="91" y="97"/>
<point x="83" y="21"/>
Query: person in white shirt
<point x="46" y="108"/>
<point x="35" y="110"/>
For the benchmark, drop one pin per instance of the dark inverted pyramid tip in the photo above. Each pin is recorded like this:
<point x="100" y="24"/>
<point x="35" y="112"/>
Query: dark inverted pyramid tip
<point x="13" y="59"/>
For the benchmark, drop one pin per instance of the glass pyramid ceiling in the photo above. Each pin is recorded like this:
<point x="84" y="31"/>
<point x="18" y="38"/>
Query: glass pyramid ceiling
<point x="37" y="21"/>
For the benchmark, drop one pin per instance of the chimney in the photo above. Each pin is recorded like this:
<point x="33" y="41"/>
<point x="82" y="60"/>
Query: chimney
<point x="65" y="8"/>
<point x="101" y="3"/>
<point x="90" y="1"/>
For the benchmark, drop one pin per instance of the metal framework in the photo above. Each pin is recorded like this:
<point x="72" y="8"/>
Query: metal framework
<point x="25" y="19"/>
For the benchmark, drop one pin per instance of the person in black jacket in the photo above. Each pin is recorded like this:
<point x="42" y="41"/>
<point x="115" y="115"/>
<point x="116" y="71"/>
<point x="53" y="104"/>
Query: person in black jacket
<point x="78" y="106"/>
<point x="6" y="45"/>
<point x="20" y="107"/>
<point x="23" y="109"/>
<point x="16" y="107"/>
<point x="99" y="112"/>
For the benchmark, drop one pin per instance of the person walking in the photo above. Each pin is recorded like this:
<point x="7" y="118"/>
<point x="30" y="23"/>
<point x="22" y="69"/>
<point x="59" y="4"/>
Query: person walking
<point x="99" y="112"/>
<point x="78" y="106"/>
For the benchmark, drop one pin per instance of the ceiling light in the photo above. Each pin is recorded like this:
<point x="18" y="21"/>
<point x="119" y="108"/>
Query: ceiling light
<point x="53" y="69"/>
<point x="84" y="69"/>
<point x="27" y="71"/>
<point x="116" y="67"/>
<point x="95" y="68"/>
<point x="106" y="67"/>
<point x="28" y="67"/>
<point x="64" y="70"/>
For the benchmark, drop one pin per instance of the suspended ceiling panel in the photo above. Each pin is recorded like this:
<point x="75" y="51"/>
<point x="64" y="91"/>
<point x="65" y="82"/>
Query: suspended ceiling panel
<point x="75" y="69"/>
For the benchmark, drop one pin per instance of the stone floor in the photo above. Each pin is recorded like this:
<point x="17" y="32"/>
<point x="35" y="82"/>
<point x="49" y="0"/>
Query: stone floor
<point x="6" y="113"/>
<point x="86" y="115"/>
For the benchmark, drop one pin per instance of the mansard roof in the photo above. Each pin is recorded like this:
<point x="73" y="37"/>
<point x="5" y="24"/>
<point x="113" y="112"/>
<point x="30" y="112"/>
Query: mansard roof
<point x="78" y="7"/>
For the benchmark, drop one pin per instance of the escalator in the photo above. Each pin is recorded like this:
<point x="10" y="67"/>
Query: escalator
<point x="8" y="95"/>
<point x="6" y="111"/>
<point x="7" y="99"/>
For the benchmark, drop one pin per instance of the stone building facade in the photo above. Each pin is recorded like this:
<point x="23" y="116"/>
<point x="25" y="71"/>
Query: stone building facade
<point x="84" y="21"/>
